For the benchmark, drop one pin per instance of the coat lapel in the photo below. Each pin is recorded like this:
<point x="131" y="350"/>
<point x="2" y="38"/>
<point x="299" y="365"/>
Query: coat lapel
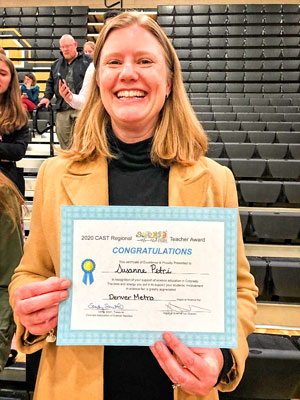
<point x="189" y="186"/>
<point x="87" y="183"/>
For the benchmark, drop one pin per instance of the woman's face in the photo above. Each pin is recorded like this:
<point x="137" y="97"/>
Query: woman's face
<point x="27" y="80"/>
<point x="5" y="77"/>
<point x="88" y="50"/>
<point x="133" y="78"/>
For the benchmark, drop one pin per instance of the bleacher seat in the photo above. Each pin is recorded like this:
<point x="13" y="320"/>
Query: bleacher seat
<point x="273" y="364"/>
<point x="260" y="191"/>
<point x="272" y="150"/>
<point x="276" y="225"/>
<point x="292" y="191"/>
<point x="287" y="169"/>
<point x="253" y="168"/>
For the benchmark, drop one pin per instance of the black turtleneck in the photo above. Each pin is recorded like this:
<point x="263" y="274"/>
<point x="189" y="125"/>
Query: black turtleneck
<point x="132" y="178"/>
<point x="132" y="373"/>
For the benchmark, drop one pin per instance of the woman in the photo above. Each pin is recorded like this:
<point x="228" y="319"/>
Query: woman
<point x="30" y="92"/>
<point x="89" y="48"/>
<point x="11" y="250"/>
<point x="137" y="142"/>
<point x="14" y="133"/>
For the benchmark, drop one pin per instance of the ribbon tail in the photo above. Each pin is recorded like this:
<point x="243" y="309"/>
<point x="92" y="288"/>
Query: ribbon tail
<point x="84" y="280"/>
<point x="91" y="277"/>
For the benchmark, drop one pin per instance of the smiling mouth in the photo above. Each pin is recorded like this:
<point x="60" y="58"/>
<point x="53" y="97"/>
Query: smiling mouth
<point x="131" y="94"/>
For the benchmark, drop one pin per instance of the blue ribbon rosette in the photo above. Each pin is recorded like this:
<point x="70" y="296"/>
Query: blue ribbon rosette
<point x="88" y="266"/>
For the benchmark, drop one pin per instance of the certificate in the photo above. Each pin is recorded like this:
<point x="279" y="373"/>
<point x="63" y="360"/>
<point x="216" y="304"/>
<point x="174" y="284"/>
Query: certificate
<point x="139" y="271"/>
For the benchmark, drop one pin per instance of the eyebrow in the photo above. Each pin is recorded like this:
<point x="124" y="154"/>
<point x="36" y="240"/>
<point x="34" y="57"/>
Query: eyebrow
<point x="138" y="53"/>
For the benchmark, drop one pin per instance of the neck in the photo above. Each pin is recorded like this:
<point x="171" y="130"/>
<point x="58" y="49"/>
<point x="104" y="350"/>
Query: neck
<point x="133" y="133"/>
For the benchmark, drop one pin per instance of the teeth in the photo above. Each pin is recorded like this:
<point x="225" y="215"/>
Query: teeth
<point x="131" y="93"/>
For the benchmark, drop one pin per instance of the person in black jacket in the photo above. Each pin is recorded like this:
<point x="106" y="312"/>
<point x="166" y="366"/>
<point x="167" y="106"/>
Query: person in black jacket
<point x="69" y="69"/>
<point x="14" y="132"/>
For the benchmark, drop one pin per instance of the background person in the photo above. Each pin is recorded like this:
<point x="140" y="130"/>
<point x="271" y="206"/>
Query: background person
<point x="30" y="92"/>
<point x="77" y="101"/>
<point x="137" y="142"/>
<point x="89" y="48"/>
<point x="70" y="68"/>
<point x="14" y="132"/>
<point x="11" y="250"/>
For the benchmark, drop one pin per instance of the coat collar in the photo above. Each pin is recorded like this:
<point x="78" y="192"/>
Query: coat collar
<point x="188" y="186"/>
<point x="87" y="183"/>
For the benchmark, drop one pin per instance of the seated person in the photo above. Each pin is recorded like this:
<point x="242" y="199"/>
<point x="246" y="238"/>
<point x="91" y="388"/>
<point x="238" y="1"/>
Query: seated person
<point x="30" y="92"/>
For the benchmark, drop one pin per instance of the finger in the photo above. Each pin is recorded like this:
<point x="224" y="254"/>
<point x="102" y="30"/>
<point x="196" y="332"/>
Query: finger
<point x="39" y="317"/>
<point x="33" y="304"/>
<point x="38" y="288"/>
<point x="44" y="328"/>
<point x="192" y="361"/>
<point x="178" y="373"/>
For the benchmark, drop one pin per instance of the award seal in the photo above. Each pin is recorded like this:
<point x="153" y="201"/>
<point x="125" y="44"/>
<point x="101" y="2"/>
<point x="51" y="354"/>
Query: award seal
<point x="88" y="266"/>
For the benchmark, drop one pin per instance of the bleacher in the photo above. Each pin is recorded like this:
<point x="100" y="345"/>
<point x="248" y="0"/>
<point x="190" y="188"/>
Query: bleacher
<point x="240" y="64"/>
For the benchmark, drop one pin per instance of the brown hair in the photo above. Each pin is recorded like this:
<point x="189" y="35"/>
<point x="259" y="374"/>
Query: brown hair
<point x="178" y="137"/>
<point x="10" y="200"/>
<point x="13" y="115"/>
<point x="2" y="51"/>
<point x="31" y="76"/>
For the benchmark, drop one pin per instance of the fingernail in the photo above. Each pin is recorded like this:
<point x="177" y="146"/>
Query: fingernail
<point x="64" y="295"/>
<point x="167" y="336"/>
<point x="65" y="283"/>
<point x="159" y="346"/>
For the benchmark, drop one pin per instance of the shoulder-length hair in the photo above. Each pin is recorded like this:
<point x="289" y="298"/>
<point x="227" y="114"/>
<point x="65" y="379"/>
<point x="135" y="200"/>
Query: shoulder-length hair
<point x="13" y="115"/>
<point x="11" y="201"/>
<point x="178" y="137"/>
<point x="31" y="76"/>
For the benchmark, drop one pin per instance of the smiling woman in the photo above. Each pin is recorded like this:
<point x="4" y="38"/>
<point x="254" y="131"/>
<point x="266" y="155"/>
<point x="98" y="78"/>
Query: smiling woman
<point x="137" y="142"/>
<point x="134" y="82"/>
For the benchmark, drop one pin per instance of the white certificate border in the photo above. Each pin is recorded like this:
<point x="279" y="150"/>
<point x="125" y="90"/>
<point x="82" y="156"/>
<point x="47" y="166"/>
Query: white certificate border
<point x="226" y="339"/>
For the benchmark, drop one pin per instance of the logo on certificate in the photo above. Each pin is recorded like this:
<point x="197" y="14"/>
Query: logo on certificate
<point x="157" y="236"/>
<point x="88" y="266"/>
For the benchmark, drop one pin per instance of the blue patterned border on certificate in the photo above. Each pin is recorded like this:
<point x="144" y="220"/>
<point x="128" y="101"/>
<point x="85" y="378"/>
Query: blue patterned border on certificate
<point x="226" y="339"/>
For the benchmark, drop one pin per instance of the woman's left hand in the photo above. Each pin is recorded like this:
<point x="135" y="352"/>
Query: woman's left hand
<point x="64" y="90"/>
<point x="197" y="370"/>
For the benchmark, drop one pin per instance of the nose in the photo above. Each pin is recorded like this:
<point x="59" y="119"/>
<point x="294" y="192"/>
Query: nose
<point x="128" y="72"/>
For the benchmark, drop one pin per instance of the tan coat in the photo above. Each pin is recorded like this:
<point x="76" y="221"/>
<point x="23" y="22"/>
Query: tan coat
<point x="77" y="371"/>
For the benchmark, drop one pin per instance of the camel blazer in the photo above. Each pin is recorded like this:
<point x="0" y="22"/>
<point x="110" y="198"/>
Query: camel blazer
<point x="77" y="371"/>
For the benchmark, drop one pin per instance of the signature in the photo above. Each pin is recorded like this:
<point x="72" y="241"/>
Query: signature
<point x="106" y="307"/>
<point x="172" y="308"/>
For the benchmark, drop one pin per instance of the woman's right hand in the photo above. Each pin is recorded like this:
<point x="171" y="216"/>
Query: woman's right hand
<point x="36" y="304"/>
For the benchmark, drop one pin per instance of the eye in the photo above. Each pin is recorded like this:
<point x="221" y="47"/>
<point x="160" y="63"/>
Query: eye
<point x="145" y="61"/>
<point x="113" y="62"/>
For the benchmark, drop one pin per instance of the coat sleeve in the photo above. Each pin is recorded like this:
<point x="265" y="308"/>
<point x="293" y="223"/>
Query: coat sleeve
<point x="246" y="295"/>
<point x="13" y="148"/>
<point x="78" y="100"/>
<point x="36" y="265"/>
